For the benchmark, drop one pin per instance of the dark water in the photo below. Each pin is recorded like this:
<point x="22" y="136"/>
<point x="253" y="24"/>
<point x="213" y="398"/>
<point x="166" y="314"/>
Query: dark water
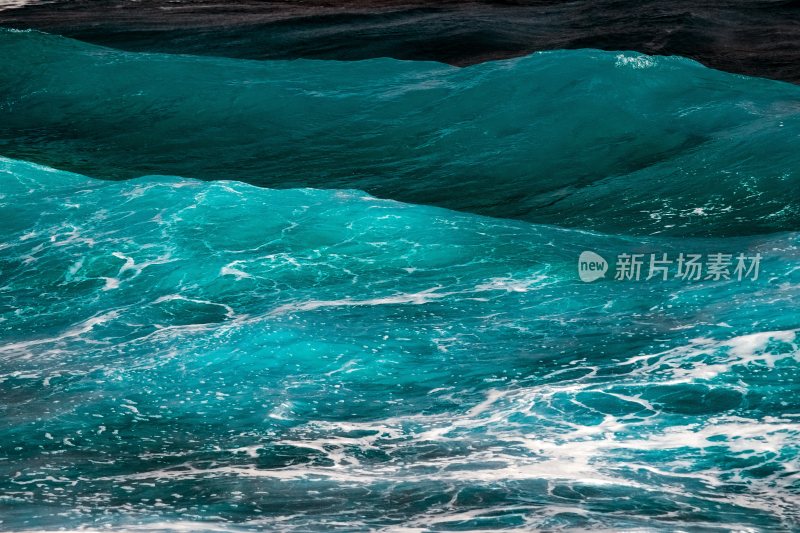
<point x="760" y="38"/>
<point x="614" y="142"/>
<point x="243" y="295"/>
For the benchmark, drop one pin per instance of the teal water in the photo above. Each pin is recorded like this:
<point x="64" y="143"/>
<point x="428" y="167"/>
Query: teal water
<point x="180" y="354"/>
<point x="609" y="141"/>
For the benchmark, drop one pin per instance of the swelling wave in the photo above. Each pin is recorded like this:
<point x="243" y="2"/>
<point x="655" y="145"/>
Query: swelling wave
<point x="215" y="356"/>
<point x="617" y="142"/>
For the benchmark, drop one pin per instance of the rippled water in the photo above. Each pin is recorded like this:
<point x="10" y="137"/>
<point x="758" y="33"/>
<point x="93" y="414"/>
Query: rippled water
<point x="318" y="295"/>
<point x="214" y="355"/>
<point x="759" y="38"/>
<point x="610" y="141"/>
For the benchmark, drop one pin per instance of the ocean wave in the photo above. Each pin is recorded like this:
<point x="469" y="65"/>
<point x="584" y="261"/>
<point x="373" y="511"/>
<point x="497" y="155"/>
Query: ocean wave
<point x="178" y="354"/>
<point x="758" y="39"/>
<point x="614" y="142"/>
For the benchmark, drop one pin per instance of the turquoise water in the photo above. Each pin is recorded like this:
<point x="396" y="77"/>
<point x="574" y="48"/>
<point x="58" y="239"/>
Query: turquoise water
<point x="611" y="141"/>
<point x="407" y="344"/>
<point x="232" y="357"/>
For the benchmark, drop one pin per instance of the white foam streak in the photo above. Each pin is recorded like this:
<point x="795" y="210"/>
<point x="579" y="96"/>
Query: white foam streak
<point x="417" y="298"/>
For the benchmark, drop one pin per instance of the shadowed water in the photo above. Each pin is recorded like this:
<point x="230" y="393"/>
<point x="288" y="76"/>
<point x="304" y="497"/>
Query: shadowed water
<point x="345" y="296"/>
<point x="760" y="38"/>
<point x="616" y="142"/>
